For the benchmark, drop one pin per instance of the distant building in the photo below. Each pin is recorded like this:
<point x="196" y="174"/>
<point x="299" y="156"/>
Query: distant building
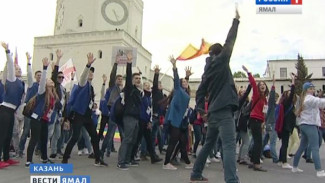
<point x="282" y="70"/>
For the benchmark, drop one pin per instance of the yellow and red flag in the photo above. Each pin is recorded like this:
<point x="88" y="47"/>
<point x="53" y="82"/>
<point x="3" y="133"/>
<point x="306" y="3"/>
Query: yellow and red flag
<point x="191" y="52"/>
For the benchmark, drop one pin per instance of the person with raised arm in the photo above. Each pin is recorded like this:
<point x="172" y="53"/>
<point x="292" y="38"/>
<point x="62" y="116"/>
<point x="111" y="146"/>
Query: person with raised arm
<point x="178" y="101"/>
<point x="287" y="104"/>
<point x="218" y="82"/>
<point x="81" y="102"/>
<point x="132" y="112"/>
<point x="115" y="87"/>
<point x="257" y="118"/>
<point x="309" y="120"/>
<point x="41" y="115"/>
<point x="13" y="93"/>
<point x="270" y="123"/>
<point x="57" y="78"/>
<point x="31" y="91"/>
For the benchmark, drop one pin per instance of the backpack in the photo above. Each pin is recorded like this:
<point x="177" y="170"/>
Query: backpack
<point x="279" y="116"/>
<point x="117" y="109"/>
<point x="29" y="107"/>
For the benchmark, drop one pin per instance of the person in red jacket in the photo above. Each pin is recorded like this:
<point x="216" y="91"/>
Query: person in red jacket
<point x="258" y="111"/>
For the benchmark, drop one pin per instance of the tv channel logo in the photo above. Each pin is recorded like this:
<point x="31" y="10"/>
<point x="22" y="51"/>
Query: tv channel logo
<point x="278" y="6"/>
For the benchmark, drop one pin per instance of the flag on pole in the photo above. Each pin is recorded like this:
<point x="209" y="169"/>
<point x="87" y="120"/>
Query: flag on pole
<point x="191" y="52"/>
<point x="67" y="69"/>
<point x="16" y="57"/>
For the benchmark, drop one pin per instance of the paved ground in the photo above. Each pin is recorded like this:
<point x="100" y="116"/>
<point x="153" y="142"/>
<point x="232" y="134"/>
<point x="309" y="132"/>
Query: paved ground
<point x="148" y="173"/>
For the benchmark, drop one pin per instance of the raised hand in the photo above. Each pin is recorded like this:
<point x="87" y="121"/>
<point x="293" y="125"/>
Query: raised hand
<point x="156" y="69"/>
<point x="129" y="57"/>
<point x="91" y="58"/>
<point x="172" y="60"/>
<point x="245" y="69"/>
<point x="273" y="78"/>
<point x="59" y="54"/>
<point x="237" y="14"/>
<point x="104" y="78"/>
<point x="28" y="57"/>
<point x="5" y="45"/>
<point x="46" y="61"/>
<point x="188" y="71"/>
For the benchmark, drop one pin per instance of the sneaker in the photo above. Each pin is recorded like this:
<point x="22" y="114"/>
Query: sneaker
<point x="3" y="164"/>
<point x="208" y="161"/>
<point x="100" y="163"/>
<point x="169" y="167"/>
<point x="53" y="157"/>
<point x="155" y="160"/>
<point x="189" y="166"/>
<point x="218" y="155"/>
<point x="261" y="161"/>
<point x="86" y="152"/>
<point x="79" y="152"/>
<point x="279" y="163"/>
<point x="199" y="179"/>
<point x="27" y="164"/>
<point x="122" y="166"/>
<point x="214" y="160"/>
<point x="46" y="161"/>
<point x="136" y="158"/>
<point x="320" y="173"/>
<point x="91" y="156"/>
<point x="133" y="163"/>
<point x="286" y="166"/>
<point x="296" y="170"/>
<point x="12" y="162"/>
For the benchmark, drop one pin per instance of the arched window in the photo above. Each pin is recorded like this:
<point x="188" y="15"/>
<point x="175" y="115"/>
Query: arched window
<point x="51" y="56"/>
<point x="100" y="54"/>
<point x="80" y="22"/>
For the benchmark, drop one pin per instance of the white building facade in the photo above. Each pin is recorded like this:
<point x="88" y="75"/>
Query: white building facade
<point x="96" y="26"/>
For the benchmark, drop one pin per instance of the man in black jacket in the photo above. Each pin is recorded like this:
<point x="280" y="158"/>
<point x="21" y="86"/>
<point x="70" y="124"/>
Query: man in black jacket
<point x="132" y="108"/>
<point x="217" y="80"/>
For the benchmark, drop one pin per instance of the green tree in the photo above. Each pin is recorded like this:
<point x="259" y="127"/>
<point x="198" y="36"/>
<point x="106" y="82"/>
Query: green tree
<point x="240" y="74"/>
<point x="257" y="75"/>
<point x="302" y="75"/>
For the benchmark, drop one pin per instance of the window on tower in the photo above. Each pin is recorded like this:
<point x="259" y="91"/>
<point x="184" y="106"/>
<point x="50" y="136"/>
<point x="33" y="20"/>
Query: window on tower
<point x="100" y="54"/>
<point x="80" y="22"/>
<point x="51" y="56"/>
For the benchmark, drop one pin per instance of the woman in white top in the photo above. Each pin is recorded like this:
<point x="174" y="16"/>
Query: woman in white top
<point x="309" y="119"/>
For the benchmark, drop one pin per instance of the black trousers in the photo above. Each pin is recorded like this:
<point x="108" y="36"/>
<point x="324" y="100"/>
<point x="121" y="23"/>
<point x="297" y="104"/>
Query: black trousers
<point x="77" y="123"/>
<point x="104" y="120"/>
<point x="7" y="116"/>
<point x="146" y="133"/>
<point x="177" y="135"/>
<point x="39" y="133"/>
<point x="284" y="147"/>
<point x="256" y="129"/>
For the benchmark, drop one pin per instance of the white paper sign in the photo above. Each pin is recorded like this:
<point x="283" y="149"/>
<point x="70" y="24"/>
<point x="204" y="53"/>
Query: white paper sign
<point x="119" y="53"/>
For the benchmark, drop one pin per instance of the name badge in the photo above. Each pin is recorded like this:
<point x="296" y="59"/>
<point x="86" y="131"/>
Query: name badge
<point x="265" y="108"/>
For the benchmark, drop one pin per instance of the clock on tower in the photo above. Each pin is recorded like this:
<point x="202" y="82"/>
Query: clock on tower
<point x="114" y="12"/>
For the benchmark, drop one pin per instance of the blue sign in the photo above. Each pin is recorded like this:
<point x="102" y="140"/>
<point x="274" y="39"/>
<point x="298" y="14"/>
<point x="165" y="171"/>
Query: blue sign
<point x="50" y="168"/>
<point x="75" y="179"/>
<point x="273" y="2"/>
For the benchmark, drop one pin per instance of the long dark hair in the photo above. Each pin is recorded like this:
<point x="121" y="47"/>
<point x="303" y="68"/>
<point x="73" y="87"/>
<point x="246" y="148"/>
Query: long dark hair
<point x="267" y="91"/>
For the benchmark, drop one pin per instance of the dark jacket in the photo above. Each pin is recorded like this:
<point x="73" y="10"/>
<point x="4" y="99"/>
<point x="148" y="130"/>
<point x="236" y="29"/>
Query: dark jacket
<point x="243" y="112"/>
<point x="132" y="95"/>
<point x="157" y="96"/>
<point x="289" y="120"/>
<point x="217" y="79"/>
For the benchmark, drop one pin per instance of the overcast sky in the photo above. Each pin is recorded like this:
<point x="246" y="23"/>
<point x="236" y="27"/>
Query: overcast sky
<point x="170" y="25"/>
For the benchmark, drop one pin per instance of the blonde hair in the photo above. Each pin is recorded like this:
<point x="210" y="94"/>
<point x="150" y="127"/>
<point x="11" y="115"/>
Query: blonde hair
<point x="300" y="108"/>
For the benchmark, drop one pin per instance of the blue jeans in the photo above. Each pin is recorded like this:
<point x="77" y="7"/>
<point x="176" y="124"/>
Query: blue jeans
<point x="155" y="128"/>
<point x="109" y="137"/>
<point x="309" y="136"/>
<point x="243" y="151"/>
<point x="24" y="135"/>
<point x="221" y="123"/>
